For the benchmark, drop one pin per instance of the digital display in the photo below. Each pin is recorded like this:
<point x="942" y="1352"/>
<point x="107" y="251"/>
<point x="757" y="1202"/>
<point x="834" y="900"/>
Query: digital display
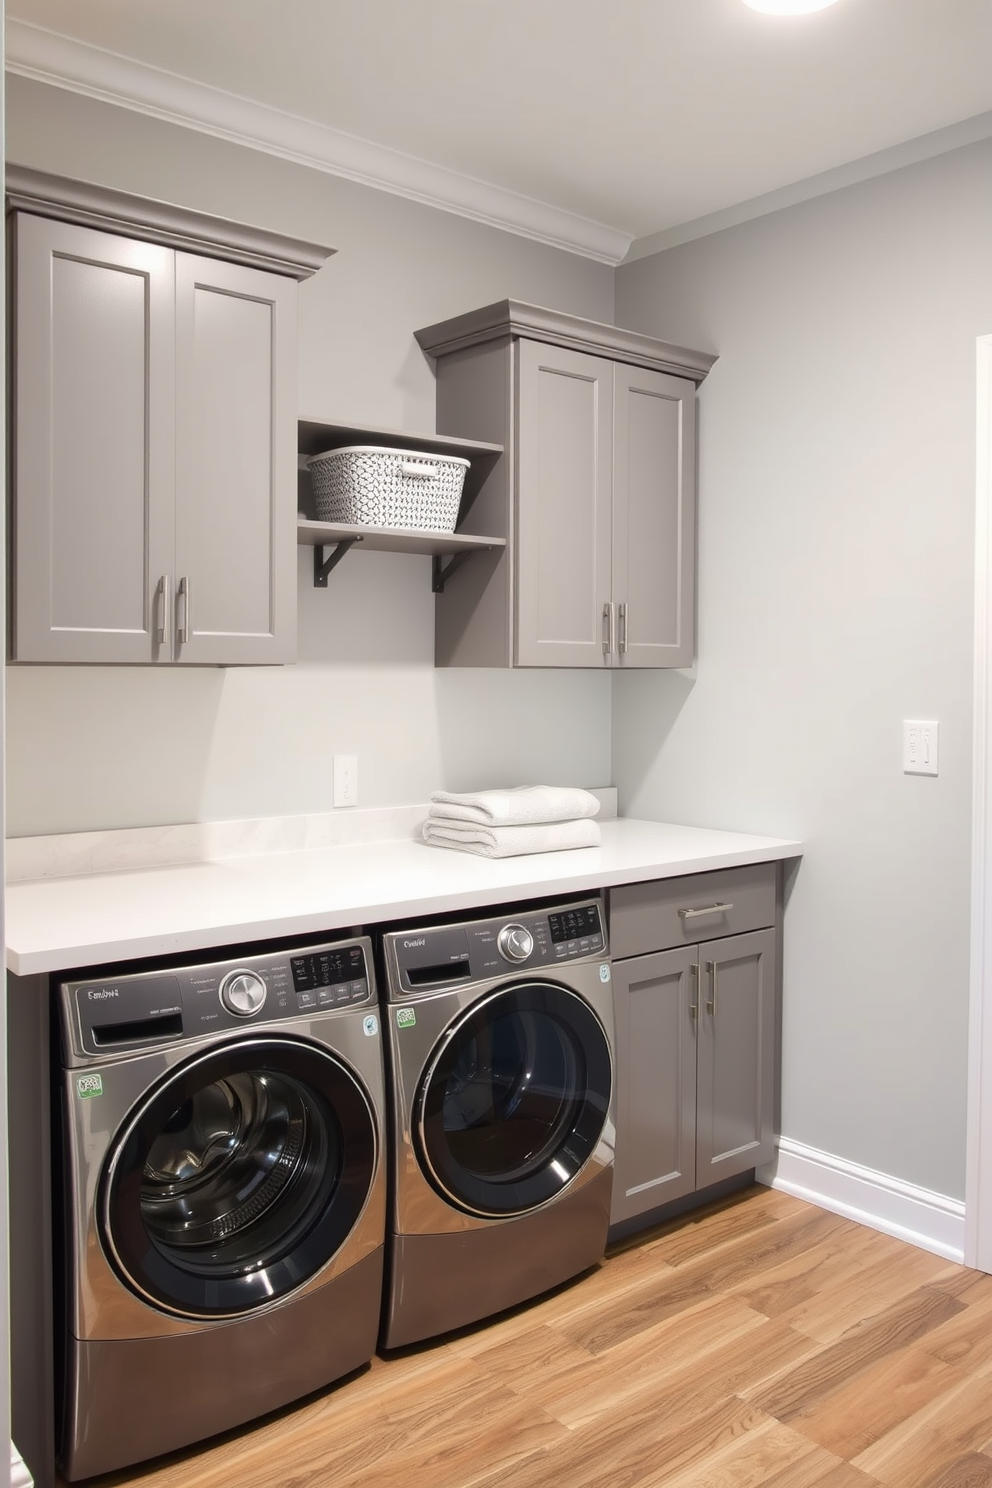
<point x="574" y="924"/>
<point x="327" y="968"/>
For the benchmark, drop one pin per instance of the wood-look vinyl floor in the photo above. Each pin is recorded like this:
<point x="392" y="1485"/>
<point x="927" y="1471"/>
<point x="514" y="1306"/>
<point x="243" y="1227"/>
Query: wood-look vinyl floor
<point x="757" y="1342"/>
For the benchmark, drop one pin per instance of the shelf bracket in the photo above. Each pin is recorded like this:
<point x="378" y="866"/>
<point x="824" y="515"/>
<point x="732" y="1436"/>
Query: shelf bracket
<point x="322" y="566"/>
<point x="441" y="572"/>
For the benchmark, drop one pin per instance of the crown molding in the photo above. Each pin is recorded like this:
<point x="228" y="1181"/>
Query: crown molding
<point x="63" y="62"/>
<point x="91" y="205"/>
<point x="508" y="318"/>
<point x="880" y="163"/>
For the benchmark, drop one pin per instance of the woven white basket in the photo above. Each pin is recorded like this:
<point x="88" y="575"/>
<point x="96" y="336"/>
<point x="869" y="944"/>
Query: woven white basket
<point x="388" y="488"/>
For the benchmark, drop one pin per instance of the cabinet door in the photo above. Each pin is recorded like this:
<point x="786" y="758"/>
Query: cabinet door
<point x="92" y="442"/>
<point x="564" y="423"/>
<point x="654" y="511"/>
<point x="654" y="1000"/>
<point x="235" y="563"/>
<point x="736" y="1051"/>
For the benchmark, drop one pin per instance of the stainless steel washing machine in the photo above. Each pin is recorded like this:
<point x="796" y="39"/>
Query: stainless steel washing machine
<point x="500" y="1042"/>
<point x="224" y="1195"/>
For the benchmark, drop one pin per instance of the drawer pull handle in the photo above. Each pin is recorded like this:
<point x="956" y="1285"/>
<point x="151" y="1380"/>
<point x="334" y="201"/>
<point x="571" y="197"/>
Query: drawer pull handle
<point x="711" y="1004"/>
<point x="607" y="629"/>
<point x="692" y="914"/>
<point x="694" y="993"/>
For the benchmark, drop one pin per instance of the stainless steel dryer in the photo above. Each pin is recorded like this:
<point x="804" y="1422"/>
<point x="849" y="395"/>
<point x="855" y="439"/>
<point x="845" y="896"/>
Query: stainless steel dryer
<point x="500" y="1040"/>
<point x="224" y="1190"/>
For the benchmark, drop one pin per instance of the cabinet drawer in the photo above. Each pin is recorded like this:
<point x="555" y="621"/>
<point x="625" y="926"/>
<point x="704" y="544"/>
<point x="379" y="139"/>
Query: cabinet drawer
<point x="669" y="912"/>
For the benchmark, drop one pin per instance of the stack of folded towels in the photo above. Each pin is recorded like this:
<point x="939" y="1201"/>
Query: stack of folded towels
<point x="503" y="823"/>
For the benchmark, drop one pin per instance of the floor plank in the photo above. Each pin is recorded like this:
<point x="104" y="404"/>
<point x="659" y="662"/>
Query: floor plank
<point x="931" y="1441"/>
<point x="878" y="1336"/>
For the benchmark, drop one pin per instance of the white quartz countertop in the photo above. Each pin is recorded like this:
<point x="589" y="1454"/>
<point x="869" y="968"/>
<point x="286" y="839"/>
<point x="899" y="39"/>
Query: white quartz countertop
<point x="84" y="918"/>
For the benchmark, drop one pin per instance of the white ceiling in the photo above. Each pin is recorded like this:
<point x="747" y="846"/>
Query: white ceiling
<point x="587" y="122"/>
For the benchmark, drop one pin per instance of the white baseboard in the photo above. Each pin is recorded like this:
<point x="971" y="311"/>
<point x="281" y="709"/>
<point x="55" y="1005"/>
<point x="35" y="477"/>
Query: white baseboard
<point x="929" y="1220"/>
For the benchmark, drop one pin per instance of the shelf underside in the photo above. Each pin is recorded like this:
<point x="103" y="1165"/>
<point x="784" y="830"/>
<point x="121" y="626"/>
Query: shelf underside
<point x="391" y="539"/>
<point x="315" y="436"/>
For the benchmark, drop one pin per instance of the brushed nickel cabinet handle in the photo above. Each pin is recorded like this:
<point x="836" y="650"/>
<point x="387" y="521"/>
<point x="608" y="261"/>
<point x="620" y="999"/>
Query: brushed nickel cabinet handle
<point x="186" y="595"/>
<point x="608" y="629"/>
<point x="163" y="599"/>
<point x="623" y="628"/>
<point x="711" y="1001"/>
<point x="694" y="991"/>
<point x="692" y="914"/>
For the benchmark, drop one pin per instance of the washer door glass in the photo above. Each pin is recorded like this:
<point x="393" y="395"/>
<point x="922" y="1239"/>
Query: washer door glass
<point x="515" y="1099"/>
<point x="238" y="1177"/>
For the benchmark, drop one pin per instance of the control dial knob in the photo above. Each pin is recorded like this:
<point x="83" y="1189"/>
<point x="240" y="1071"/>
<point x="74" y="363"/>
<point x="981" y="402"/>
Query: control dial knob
<point x="515" y="943"/>
<point x="242" y="993"/>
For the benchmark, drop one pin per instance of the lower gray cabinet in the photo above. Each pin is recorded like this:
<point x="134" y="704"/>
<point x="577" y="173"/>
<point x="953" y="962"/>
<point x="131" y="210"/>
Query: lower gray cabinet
<point x="695" y="1029"/>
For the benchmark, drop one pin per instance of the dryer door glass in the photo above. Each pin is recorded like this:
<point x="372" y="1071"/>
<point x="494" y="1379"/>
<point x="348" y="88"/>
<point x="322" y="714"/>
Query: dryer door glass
<point x="515" y="1099"/>
<point x="239" y="1177"/>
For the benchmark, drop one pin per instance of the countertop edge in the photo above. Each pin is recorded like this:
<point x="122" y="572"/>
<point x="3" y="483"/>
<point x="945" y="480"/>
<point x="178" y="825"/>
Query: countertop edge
<point x="560" y="873"/>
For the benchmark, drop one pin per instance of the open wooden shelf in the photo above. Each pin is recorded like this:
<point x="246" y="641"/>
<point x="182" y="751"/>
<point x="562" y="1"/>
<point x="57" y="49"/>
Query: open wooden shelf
<point x="343" y="536"/>
<point x="317" y="435"/>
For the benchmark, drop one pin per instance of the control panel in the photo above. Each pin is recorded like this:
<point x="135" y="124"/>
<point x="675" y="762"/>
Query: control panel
<point x="426" y="961"/>
<point x="140" y="1010"/>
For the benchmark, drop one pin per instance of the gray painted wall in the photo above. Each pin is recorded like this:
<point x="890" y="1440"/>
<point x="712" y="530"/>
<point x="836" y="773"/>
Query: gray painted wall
<point x="105" y="747"/>
<point x="837" y="494"/>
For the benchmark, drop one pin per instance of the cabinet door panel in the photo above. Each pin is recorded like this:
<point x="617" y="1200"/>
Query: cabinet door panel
<point x="736" y="1050"/>
<point x="654" y="516"/>
<point x="93" y="442"/>
<point x="656" y="1082"/>
<point x="235" y="462"/>
<point x="564" y="421"/>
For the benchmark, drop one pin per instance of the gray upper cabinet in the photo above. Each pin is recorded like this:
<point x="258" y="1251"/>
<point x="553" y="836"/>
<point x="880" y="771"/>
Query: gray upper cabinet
<point x="654" y="518"/>
<point x="236" y="410"/>
<point x="564" y="500"/>
<point x="154" y="432"/>
<point x="595" y="495"/>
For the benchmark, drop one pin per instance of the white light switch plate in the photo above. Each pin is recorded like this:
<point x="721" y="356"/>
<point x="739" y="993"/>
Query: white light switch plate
<point x="920" y="746"/>
<point x="346" y="780"/>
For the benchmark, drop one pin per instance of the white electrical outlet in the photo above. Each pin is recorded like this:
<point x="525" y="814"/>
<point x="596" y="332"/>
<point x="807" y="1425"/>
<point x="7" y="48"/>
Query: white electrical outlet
<point x="920" y="746"/>
<point x="346" y="780"/>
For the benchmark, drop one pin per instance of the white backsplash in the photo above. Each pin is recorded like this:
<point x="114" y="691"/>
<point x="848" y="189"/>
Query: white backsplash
<point x="67" y="854"/>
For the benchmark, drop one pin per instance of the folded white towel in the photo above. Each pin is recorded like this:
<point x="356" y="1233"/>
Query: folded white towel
<point x="508" y="842"/>
<point x="514" y="808"/>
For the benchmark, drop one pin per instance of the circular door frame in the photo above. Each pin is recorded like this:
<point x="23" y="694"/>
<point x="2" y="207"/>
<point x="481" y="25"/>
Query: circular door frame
<point x="464" y="1190"/>
<point x="148" y="1270"/>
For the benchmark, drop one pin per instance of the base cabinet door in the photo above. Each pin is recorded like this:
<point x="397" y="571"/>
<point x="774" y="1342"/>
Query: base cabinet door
<point x="656" y="1081"/>
<point x="736" y="1050"/>
<point x="695" y="1068"/>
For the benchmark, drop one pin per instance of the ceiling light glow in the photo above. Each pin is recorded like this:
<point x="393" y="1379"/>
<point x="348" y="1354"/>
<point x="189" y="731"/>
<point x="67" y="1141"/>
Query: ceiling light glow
<point x="789" y="7"/>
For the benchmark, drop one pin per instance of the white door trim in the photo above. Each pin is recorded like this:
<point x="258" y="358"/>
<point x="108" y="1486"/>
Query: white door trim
<point x="978" y="1181"/>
